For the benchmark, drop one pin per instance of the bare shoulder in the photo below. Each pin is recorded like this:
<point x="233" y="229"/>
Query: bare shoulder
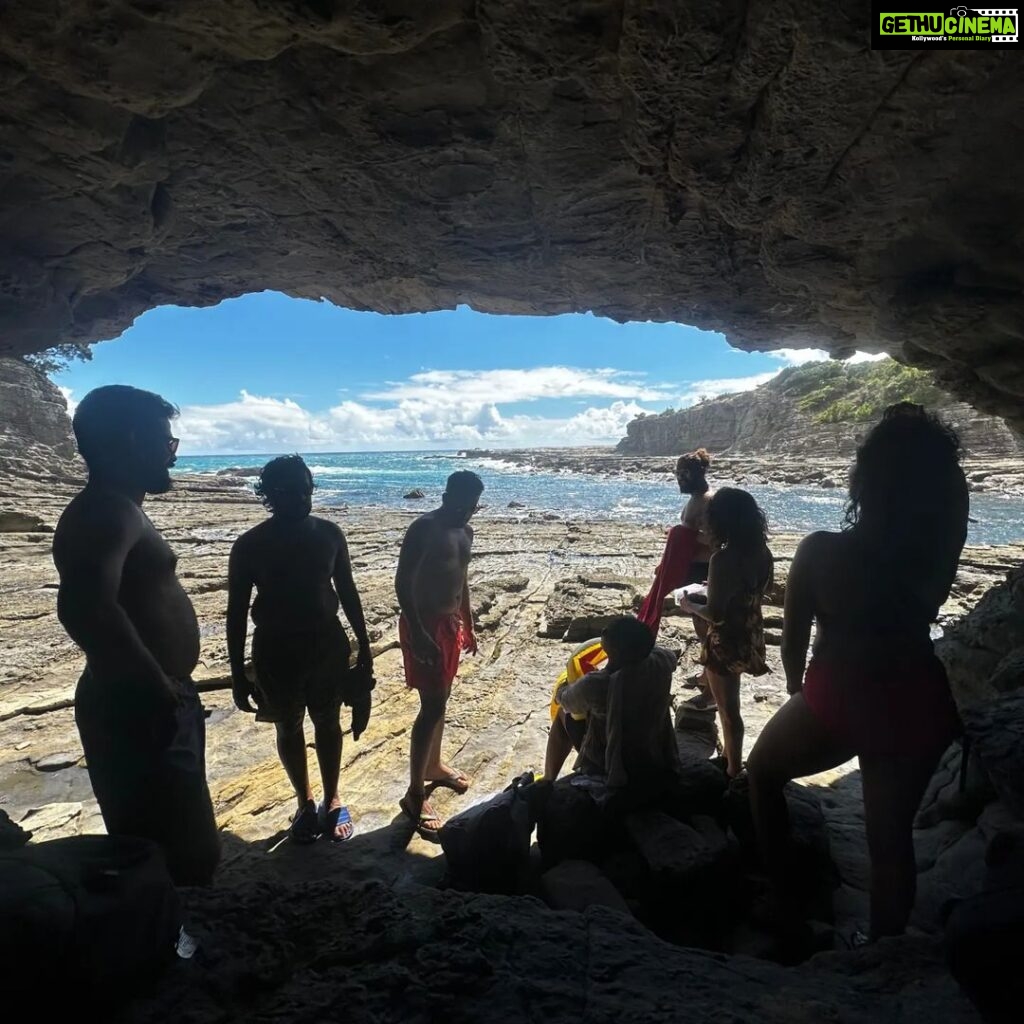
<point x="251" y="538"/>
<point x="422" y="526"/>
<point x="818" y="555"/>
<point x="819" y="544"/>
<point x="99" y="514"/>
<point x="95" y="526"/>
<point x="469" y="532"/>
<point x="328" y="528"/>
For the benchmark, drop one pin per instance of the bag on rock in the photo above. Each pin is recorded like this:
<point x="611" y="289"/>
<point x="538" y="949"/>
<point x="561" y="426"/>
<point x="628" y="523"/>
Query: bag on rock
<point x="487" y="847"/>
<point x="94" y="915"/>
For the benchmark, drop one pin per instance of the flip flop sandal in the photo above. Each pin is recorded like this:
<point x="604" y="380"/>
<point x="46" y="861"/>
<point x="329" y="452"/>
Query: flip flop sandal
<point x="305" y="826"/>
<point x="330" y="820"/>
<point x="458" y="782"/>
<point x="431" y="835"/>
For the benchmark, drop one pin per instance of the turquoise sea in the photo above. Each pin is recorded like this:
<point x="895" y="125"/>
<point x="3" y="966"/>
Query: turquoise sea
<point x="381" y="479"/>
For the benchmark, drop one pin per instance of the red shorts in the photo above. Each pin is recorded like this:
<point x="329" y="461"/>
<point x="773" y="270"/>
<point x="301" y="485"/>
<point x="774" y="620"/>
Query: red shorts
<point x="447" y="633"/>
<point x="901" y="707"/>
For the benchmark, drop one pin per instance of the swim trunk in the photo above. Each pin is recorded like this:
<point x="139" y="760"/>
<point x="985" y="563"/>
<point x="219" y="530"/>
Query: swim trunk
<point x="149" y="773"/>
<point x="903" y="707"/>
<point x="576" y="730"/>
<point x="447" y="633"/>
<point x="301" y="671"/>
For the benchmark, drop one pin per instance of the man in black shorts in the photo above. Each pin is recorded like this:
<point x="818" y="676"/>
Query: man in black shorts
<point x="299" y="565"/>
<point x="138" y="713"/>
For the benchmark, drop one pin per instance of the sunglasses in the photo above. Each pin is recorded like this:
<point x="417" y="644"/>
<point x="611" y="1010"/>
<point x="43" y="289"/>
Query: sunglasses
<point x="172" y="445"/>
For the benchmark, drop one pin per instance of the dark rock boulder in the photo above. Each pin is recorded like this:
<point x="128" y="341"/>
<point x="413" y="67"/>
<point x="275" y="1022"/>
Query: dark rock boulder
<point x="578" y="884"/>
<point x="414" y="495"/>
<point x="996" y="731"/>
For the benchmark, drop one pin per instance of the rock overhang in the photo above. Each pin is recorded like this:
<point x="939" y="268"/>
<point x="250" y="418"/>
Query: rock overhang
<point x="749" y="168"/>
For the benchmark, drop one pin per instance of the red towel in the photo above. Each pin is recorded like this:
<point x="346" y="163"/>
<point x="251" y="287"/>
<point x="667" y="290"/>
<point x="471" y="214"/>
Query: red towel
<point x="670" y="574"/>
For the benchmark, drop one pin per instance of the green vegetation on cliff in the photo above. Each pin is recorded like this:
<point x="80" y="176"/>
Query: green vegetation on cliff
<point x="834" y="392"/>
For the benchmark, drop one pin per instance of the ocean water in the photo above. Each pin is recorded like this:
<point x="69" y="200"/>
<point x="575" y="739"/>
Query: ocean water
<point x="381" y="479"/>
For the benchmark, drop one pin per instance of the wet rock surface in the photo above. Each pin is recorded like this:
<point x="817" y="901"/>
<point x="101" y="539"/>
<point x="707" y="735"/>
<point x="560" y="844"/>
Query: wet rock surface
<point x="497" y="728"/>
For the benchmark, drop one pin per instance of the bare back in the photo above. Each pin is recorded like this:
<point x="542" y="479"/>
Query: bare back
<point x="863" y="610"/>
<point x="695" y="516"/>
<point x="105" y="547"/>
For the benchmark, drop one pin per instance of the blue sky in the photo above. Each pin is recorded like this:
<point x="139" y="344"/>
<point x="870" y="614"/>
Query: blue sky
<point x="266" y="373"/>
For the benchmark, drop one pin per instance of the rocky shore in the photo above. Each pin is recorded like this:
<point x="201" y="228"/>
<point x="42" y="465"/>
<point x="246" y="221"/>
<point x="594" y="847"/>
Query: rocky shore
<point x="538" y="586"/>
<point x="984" y="475"/>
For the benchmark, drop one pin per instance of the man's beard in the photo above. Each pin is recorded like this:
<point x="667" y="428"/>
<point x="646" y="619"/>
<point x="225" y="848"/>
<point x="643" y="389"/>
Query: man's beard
<point x="160" y="482"/>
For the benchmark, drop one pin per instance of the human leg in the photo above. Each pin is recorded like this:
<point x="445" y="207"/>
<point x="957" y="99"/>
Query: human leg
<point x="726" y="691"/>
<point x="559" y="747"/>
<point x="793" y="744"/>
<point x="433" y="703"/>
<point x="327" y="738"/>
<point x="894" y="785"/>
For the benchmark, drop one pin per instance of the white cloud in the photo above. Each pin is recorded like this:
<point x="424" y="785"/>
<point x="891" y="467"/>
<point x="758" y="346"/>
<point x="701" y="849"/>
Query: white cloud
<point x="704" y="389"/>
<point x="518" y="385"/>
<point x="68" y="393"/>
<point x="867" y="357"/>
<point x="799" y="356"/>
<point x="458" y="407"/>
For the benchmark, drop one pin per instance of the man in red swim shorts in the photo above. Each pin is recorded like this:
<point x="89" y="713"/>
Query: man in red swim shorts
<point x="435" y="627"/>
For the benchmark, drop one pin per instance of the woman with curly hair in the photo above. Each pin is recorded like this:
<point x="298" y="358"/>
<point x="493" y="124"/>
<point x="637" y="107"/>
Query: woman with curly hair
<point x="874" y="687"/>
<point x="741" y="569"/>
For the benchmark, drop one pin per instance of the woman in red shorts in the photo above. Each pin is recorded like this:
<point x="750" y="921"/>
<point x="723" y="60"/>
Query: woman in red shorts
<point x="874" y="687"/>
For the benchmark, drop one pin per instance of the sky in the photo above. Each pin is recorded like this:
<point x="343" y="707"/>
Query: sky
<point x="266" y="373"/>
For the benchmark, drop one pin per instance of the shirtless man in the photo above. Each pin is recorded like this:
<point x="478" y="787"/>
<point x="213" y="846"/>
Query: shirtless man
<point x="691" y="475"/>
<point x="436" y="623"/>
<point x="300" y="567"/>
<point x="137" y="710"/>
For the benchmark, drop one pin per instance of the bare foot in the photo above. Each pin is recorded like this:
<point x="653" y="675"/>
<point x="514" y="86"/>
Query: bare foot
<point x="452" y="778"/>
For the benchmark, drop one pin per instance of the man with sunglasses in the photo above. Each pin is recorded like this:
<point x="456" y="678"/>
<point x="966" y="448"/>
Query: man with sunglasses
<point x="436" y="625"/>
<point x="299" y="565"/>
<point x="139" y="717"/>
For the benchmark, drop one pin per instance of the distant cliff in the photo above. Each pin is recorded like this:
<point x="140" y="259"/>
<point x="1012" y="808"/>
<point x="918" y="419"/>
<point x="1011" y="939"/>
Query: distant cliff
<point x="35" y="431"/>
<point x="820" y="410"/>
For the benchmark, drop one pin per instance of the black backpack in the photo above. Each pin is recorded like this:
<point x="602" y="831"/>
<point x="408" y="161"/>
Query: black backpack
<point x="487" y="847"/>
<point x="93" y="915"/>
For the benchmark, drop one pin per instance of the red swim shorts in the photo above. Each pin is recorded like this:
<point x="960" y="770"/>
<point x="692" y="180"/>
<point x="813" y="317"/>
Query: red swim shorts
<point x="447" y="633"/>
<point x="902" y="707"/>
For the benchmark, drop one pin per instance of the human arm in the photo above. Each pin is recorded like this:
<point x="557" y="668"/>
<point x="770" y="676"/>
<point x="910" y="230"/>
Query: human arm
<point x="361" y="681"/>
<point x="351" y="604"/>
<point x="798" y="615"/>
<point x="410" y="561"/>
<point x="466" y="615"/>
<point x="90" y="550"/>
<point x="240" y="585"/>
<point x="586" y="696"/>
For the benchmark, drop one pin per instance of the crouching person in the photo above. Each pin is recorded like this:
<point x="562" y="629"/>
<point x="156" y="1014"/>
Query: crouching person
<point x="618" y="718"/>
